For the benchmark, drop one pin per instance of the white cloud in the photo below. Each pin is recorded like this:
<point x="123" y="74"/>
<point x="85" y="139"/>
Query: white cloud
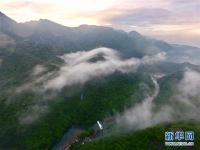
<point x="141" y="115"/>
<point x="79" y="67"/>
<point x="183" y="105"/>
<point x="190" y="85"/>
<point x="32" y="114"/>
<point x="78" y="70"/>
<point x="38" y="69"/>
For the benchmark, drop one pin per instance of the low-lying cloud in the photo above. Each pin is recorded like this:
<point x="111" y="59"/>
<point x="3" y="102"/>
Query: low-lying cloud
<point x="141" y="115"/>
<point x="38" y="69"/>
<point x="5" y="40"/>
<point x="82" y="66"/>
<point x="78" y="68"/>
<point x="183" y="105"/>
<point x="32" y="114"/>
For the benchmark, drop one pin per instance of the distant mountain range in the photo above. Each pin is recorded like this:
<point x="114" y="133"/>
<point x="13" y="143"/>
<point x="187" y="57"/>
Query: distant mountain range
<point x="86" y="37"/>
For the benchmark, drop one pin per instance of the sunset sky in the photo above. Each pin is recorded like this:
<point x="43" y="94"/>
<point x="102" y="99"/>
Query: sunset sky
<point x="177" y="21"/>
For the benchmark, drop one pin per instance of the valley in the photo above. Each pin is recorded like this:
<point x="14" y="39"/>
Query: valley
<point x="56" y="82"/>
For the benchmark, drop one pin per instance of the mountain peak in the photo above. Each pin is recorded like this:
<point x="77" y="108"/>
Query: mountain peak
<point x="6" y="18"/>
<point x="44" y="20"/>
<point x="2" y="14"/>
<point x="134" y="33"/>
<point x="7" y="24"/>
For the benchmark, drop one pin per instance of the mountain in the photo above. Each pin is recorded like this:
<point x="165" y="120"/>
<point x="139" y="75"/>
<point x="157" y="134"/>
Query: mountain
<point x="167" y="68"/>
<point x="139" y="140"/>
<point x="55" y="78"/>
<point x="84" y="37"/>
<point x="176" y="106"/>
<point x="6" y="24"/>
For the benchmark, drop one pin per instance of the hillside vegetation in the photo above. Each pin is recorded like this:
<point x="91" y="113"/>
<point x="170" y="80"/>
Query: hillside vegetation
<point x="147" y="139"/>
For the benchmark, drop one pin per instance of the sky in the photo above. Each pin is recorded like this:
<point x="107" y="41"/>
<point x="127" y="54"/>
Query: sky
<point x="176" y="21"/>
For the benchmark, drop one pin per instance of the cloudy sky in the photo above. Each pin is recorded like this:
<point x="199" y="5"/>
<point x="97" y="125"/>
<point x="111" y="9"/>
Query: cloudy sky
<point x="177" y="21"/>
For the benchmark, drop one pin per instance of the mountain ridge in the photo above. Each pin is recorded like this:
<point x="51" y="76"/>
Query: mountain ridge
<point x="135" y="33"/>
<point x="53" y="77"/>
<point x="84" y="36"/>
